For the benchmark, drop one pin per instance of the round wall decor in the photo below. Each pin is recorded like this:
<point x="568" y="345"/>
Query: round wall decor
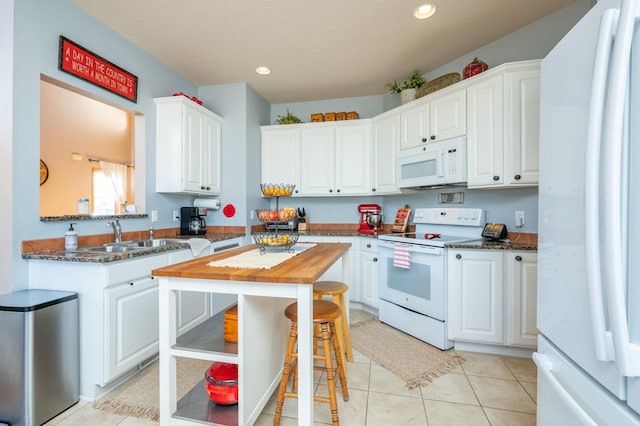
<point x="44" y="172"/>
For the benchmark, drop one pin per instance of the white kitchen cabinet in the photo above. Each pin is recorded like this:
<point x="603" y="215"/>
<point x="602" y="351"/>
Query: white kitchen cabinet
<point x="193" y="307"/>
<point x="281" y="155"/>
<point x="522" y="270"/>
<point x="503" y="127"/>
<point x="131" y="325"/>
<point x="118" y="314"/>
<point x="384" y="145"/>
<point x="435" y="117"/>
<point x="335" y="158"/>
<point x="188" y="147"/>
<point x="492" y="297"/>
<point x="368" y="278"/>
<point x="476" y="295"/>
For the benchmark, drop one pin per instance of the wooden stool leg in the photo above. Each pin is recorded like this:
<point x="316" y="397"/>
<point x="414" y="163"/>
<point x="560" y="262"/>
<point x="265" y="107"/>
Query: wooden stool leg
<point x="331" y="373"/>
<point x="339" y="327"/>
<point x="345" y="327"/>
<point x="286" y="372"/>
<point x="340" y="361"/>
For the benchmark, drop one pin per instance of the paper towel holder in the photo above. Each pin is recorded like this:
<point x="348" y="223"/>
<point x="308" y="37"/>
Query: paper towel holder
<point x="210" y="203"/>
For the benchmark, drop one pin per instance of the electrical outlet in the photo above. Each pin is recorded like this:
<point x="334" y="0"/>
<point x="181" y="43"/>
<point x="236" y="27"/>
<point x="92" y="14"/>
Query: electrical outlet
<point x="519" y="218"/>
<point x="176" y="215"/>
<point x="253" y="214"/>
<point x="154" y="215"/>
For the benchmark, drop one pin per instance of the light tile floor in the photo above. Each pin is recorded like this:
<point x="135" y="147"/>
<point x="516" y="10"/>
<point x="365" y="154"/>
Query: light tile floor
<point x="484" y="390"/>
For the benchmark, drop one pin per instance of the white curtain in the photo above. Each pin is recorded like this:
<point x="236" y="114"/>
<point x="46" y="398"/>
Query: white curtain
<point x="117" y="174"/>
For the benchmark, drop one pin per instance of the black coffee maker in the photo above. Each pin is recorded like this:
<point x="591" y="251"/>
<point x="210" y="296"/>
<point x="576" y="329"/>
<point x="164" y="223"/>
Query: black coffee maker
<point x="192" y="220"/>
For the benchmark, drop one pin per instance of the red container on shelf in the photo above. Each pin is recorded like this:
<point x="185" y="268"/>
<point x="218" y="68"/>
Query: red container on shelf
<point x="221" y="383"/>
<point x="475" y="67"/>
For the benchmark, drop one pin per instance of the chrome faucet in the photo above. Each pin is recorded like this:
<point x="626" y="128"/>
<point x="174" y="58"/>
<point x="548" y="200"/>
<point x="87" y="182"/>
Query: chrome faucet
<point x="117" y="231"/>
<point x="151" y="233"/>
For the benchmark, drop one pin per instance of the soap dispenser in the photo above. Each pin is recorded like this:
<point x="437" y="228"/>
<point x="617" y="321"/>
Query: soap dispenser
<point x="71" y="238"/>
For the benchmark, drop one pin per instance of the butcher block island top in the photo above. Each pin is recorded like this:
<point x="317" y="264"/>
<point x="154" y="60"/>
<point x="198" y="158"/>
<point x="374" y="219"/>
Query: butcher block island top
<point x="303" y="268"/>
<point x="262" y="293"/>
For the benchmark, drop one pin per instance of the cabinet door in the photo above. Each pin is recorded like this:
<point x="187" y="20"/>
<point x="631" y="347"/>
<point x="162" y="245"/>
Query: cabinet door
<point x="523" y="127"/>
<point x="448" y="116"/>
<point x="369" y="274"/>
<point x="211" y="150"/>
<point x="193" y="307"/>
<point x="385" y="143"/>
<point x="414" y="129"/>
<point x="281" y="156"/>
<point x="353" y="159"/>
<point x="131" y="312"/>
<point x="476" y="296"/>
<point x="194" y="148"/>
<point x="485" y="139"/>
<point x="522" y="275"/>
<point x="317" y="161"/>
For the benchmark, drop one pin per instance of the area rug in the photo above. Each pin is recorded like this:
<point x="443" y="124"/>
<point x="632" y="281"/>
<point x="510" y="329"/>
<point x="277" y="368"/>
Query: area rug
<point x="414" y="361"/>
<point x="140" y="397"/>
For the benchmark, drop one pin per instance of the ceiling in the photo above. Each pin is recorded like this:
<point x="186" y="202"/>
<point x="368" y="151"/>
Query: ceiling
<point x="315" y="49"/>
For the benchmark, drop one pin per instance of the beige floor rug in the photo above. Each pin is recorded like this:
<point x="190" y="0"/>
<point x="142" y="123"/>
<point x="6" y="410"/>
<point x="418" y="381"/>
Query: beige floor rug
<point x="414" y="361"/>
<point x="139" y="397"/>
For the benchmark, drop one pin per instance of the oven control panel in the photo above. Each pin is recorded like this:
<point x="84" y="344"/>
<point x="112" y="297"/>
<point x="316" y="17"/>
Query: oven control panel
<point x="450" y="216"/>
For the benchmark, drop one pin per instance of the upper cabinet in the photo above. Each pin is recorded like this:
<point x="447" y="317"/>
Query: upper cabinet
<point x="188" y="144"/>
<point x="335" y="159"/>
<point x="503" y="118"/>
<point x="434" y="118"/>
<point x="384" y="146"/>
<point x="281" y="155"/>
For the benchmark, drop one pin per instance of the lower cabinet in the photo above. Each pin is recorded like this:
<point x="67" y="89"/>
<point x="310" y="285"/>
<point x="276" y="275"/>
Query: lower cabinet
<point x="368" y="278"/>
<point x="131" y="325"/>
<point x="492" y="297"/>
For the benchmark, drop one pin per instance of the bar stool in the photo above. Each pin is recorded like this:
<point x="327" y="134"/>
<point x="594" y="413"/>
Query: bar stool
<point x="324" y="314"/>
<point x="336" y="290"/>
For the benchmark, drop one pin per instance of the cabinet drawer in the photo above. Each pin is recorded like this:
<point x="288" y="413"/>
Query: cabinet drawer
<point x="128" y="270"/>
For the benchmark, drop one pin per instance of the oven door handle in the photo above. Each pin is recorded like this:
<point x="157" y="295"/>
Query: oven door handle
<point x="413" y="248"/>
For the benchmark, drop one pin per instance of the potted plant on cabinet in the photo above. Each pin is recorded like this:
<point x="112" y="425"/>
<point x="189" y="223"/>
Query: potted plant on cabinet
<point x="408" y="88"/>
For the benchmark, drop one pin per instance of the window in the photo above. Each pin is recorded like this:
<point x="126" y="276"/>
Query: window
<point x="102" y="194"/>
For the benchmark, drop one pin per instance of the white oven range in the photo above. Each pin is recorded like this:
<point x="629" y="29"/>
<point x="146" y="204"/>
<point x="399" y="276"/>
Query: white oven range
<point x="414" y="299"/>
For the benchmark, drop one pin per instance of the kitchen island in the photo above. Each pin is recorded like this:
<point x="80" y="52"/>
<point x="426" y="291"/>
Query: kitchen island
<point x="262" y="293"/>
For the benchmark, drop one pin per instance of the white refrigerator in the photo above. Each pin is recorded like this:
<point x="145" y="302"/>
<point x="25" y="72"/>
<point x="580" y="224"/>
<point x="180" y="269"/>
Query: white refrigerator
<point x="588" y="354"/>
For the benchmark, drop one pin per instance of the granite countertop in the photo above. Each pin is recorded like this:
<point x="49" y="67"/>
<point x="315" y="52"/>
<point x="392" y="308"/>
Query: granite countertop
<point x="495" y="245"/>
<point x="93" y="257"/>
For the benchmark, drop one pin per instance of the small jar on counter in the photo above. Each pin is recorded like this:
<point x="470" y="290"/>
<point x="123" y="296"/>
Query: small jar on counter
<point x="83" y="206"/>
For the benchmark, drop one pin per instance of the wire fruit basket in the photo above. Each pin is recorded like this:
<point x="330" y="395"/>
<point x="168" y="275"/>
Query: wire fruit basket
<point x="275" y="241"/>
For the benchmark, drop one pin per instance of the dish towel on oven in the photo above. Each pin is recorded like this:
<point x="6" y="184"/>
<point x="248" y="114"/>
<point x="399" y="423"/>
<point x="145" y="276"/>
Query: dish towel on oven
<point x="401" y="256"/>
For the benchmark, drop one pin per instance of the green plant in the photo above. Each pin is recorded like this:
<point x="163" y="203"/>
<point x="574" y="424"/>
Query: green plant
<point x="414" y="82"/>
<point x="288" y="119"/>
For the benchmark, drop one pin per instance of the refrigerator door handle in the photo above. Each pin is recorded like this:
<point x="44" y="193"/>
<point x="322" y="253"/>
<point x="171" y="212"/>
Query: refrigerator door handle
<point x="545" y="369"/>
<point x="627" y="355"/>
<point x="602" y="338"/>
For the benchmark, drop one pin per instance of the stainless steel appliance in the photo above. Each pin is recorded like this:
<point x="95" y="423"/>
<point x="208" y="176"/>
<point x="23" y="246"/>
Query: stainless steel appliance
<point x="433" y="164"/>
<point x="192" y="220"/>
<point x="414" y="299"/>
<point x="588" y="354"/>
<point x="39" y="355"/>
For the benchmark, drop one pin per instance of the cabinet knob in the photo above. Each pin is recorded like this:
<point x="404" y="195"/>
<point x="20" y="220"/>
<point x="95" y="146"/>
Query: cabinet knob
<point x="424" y="139"/>
<point x="496" y="178"/>
<point x="368" y="245"/>
<point x="518" y="258"/>
<point x="337" y="190"/>
<point x="517" y="177"/>
<point x="373" y="190"/>
<point x="424" y="148"/>
<point x="331" y="190"/>
<point x="458" y="256"/>
<point x="296" y="191"/>
<point x="433" y="137"/>
<point x="375" y="259"/>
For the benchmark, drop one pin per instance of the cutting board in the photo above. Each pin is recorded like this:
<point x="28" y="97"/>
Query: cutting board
<point x="402" y="219"/>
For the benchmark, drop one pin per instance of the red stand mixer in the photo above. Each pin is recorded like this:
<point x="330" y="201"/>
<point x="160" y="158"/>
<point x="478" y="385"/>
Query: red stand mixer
<point x="370" y="219"/>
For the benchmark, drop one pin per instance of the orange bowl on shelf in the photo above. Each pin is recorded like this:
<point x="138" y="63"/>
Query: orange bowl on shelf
<point x="277" y="190"/>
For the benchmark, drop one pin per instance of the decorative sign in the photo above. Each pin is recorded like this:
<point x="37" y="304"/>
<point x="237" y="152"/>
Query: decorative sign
<point x="76" y="60"/>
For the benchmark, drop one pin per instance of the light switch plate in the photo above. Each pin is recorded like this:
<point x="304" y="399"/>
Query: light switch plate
<point x="154" y="215"/>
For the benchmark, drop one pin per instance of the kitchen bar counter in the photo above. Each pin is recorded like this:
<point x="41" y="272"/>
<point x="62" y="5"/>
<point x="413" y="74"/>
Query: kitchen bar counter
<point x="262" y="327"/>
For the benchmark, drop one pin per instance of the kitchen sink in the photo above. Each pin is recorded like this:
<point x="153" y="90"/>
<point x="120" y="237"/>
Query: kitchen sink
<point x="129" y="246"/>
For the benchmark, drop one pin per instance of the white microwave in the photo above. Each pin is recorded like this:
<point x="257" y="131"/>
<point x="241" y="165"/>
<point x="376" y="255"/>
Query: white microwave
<point x="434" y="164"/>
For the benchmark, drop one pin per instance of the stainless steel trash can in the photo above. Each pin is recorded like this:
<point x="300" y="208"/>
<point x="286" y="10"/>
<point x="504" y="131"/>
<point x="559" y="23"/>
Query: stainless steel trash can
<point x="39" y="355"/>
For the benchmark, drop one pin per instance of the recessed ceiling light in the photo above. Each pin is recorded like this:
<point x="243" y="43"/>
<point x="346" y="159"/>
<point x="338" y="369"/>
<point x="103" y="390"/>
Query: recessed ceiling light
<point x="263" y="70"/>
<point x="425" y="11"/>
